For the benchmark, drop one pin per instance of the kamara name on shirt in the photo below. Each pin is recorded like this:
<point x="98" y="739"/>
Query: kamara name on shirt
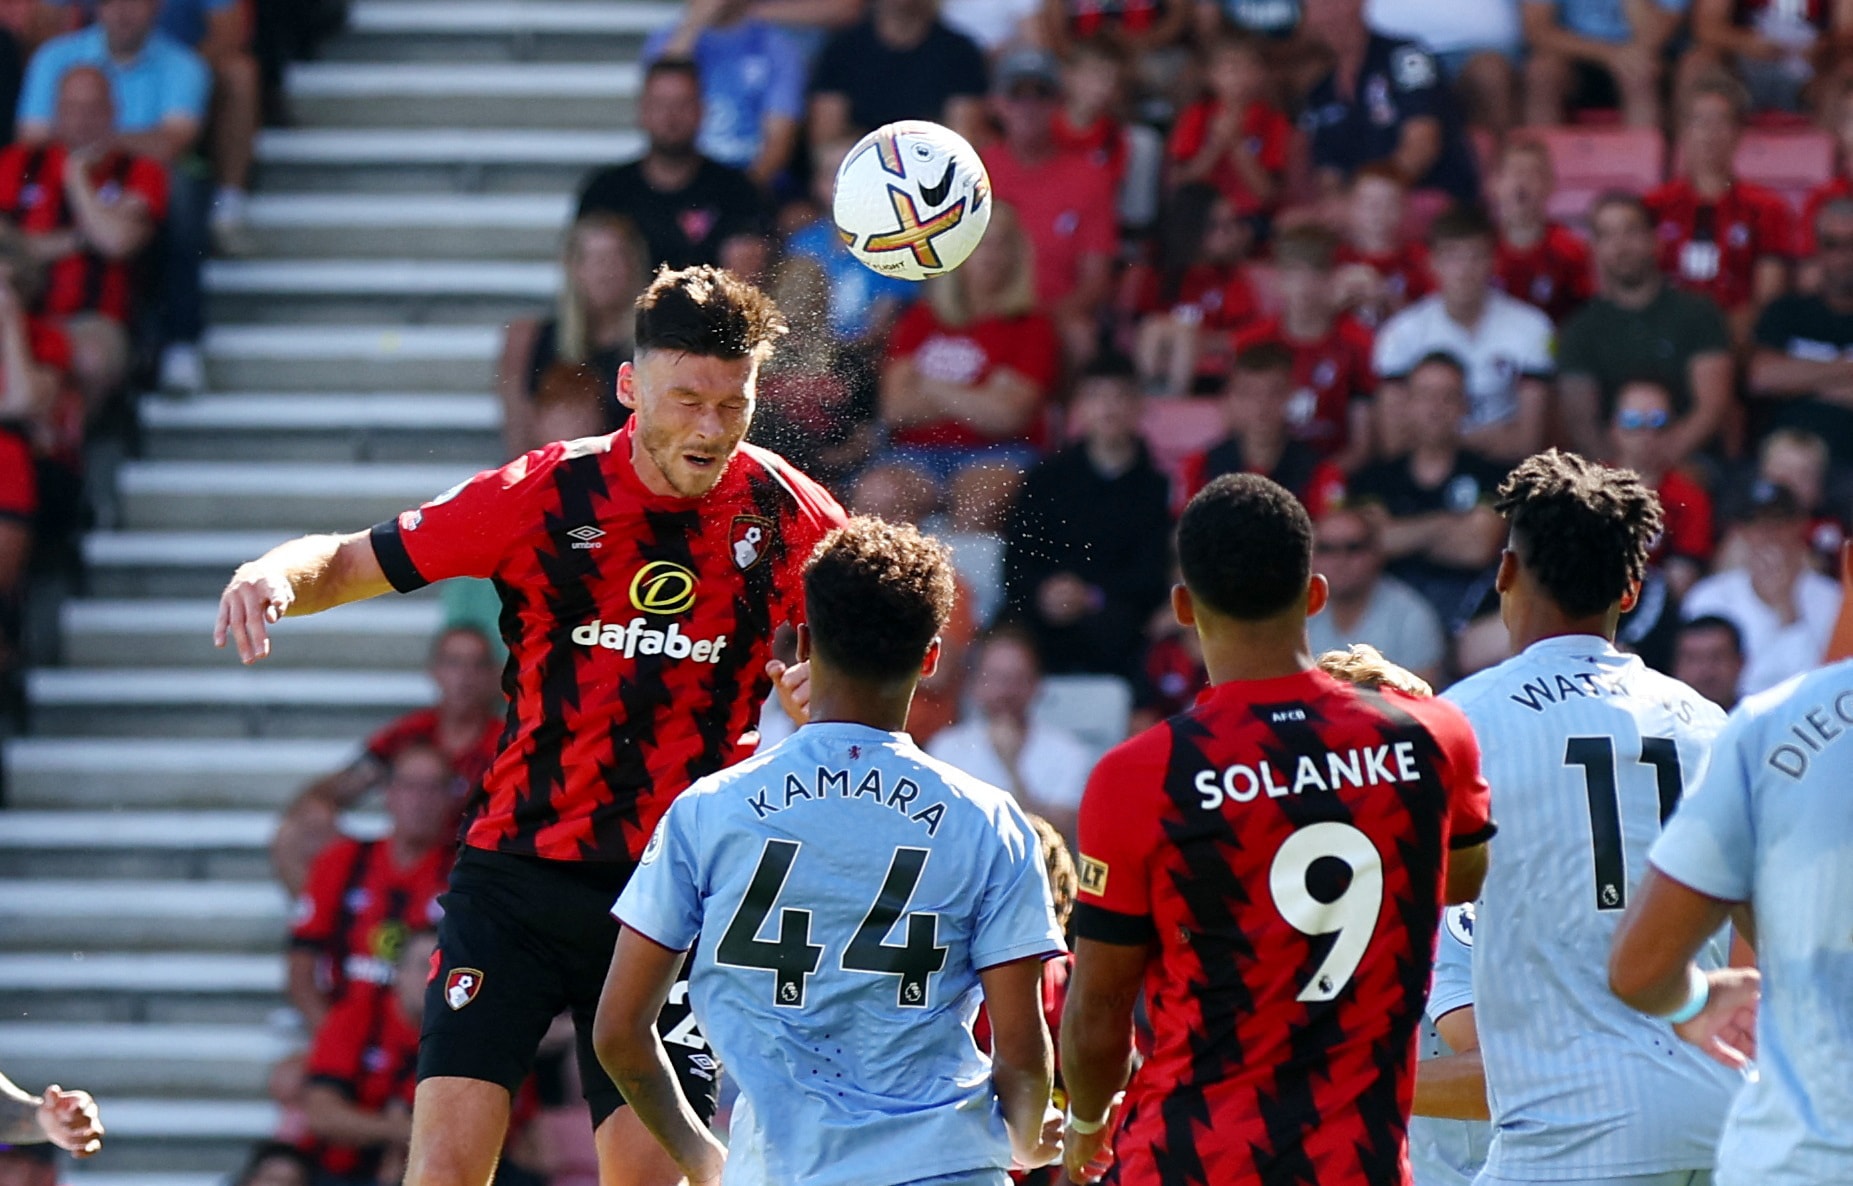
<point x="901" y="796"/>
<point x="1370" y="766"/>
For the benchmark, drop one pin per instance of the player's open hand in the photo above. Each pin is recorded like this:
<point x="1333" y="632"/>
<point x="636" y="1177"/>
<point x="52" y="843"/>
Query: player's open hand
<point x="1726" y="1028"/>
<point x="793" y="685"/>
<point x="247" y="609"/>
<point x="69" y="1120"/>
<point x="1088" y="1156"/>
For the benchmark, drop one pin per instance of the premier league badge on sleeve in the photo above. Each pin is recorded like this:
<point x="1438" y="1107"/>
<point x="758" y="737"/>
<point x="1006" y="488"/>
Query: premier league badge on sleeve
<point x="750" y="538"/>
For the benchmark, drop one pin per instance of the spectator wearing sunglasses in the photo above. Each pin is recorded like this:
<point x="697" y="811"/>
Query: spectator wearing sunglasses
<point x="1640" y="442"/>
<point x="1366" y="605"/>
<point x="1802" y="365"/>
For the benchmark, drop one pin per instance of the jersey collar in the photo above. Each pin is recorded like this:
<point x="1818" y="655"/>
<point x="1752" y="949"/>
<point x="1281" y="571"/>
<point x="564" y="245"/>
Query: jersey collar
<point x="851" y="731"/>
<point x="1572" y="644"/>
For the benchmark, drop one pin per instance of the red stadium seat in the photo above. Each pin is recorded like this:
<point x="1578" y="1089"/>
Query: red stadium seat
<point x="1590" y="160"/>
<point x="1791" y="162"/>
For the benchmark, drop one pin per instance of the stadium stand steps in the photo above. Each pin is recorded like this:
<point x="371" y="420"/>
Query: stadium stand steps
<point x="417" y="203"/>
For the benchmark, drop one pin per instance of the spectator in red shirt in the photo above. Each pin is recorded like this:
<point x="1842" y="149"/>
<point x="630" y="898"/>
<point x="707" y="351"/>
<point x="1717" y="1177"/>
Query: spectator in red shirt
<point x="1185" y="306"/>
<point x="1091" y="122"/>
<point x="1538" y="260"/>
<point x="1063" y="200"/>
<point x="361" y="1071"/>
<point x="969" y="375"/>
<point x="1840" y="185"/>
<point x="88" y="208"/>
<point x="362" y="896"/>
<point x="1331" y="407"/>
<point x="605" y="267"/>
<point x="1638" y="430"/>
<point x="1260" y="439"/>
<point x="1234" y="137"/>
<point x="464" y="725"/>
<point x="1728" y="239"/>
<point x="1380" y="268"/>
<point x="35" y="355"/>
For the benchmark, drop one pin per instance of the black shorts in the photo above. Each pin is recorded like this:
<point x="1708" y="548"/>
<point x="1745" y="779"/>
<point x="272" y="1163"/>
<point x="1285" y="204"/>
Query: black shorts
<point x="521" y="940"/>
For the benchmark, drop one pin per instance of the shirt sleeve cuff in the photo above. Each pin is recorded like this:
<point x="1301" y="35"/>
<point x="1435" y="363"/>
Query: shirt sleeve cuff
<point x="1110" y="926"/>
<point x="395" y="561"/>
<point x="1475" y="837"/>
<point x="1043" y="948"/>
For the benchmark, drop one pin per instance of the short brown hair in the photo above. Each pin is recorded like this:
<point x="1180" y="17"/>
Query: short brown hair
<point x="708" y="312"/>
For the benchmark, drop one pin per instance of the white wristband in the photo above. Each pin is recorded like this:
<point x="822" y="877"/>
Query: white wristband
<point x="1698" y="993"/>
<point x="1085" y="1128"/>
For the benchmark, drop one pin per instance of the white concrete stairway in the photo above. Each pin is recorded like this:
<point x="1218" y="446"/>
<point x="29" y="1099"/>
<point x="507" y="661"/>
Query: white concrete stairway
<point x="418" y="204"/>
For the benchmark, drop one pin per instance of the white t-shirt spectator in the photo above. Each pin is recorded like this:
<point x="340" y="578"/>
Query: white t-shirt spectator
<point x="1051" y="771"/>
<point x="1772" y="651"/>
<point x="1511" y="342"/>
<point x="1397" y="622"/>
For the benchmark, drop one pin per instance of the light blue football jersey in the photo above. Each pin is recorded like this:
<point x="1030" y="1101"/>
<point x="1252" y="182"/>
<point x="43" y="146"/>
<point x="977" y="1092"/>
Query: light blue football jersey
<point x="1448" y="1152"/>
<point x="847" y="888"/>
<point x="1772" y="824"/>
<point x="1587" y="750"/>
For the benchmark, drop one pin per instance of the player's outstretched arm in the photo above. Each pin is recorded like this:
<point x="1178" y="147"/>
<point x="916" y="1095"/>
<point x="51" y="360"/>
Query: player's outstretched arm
<point x="303" y="576"/>
<point x="68" y="1119"/>
<point x="1022" y="1059"/>
<point x="624" y="1035"/>
<point x="1651" y="969"/>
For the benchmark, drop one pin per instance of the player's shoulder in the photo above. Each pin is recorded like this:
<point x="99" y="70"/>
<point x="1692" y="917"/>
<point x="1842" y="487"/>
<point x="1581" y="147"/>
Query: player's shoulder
<point x="1831" y="687"/>
<point x="807" y="497"/>
<point x="1475" y="691"/>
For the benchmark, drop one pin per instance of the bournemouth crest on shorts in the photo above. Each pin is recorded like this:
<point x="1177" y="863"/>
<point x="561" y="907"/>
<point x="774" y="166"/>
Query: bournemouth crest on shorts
<point x="461" y="987"/>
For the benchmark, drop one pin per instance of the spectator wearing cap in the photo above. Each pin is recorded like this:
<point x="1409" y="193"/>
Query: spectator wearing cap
<point x="689" y="209"/>
<point x="1597" y="53"/>
<point x="752" y="84"/>
<point x="1801" y="367"/>
<point x="1383" y="100"/>
<point x="1640" y="327"/>
<point x="1504" y="343"/>
<point x="88" y="209"/>
<point x="160" y="89"/>
<point x="1367" y="605"/>
<point x="903" y="62"/>
<point x="1719" y="235"/>
<point x="1064" y="201"/>
<point x="1708" y="657"/>
<point x="1086" y="552"/>
<point x="1432" y="506"/>
<point x="1638" y="433"/>
<point x="1783" y="609"/>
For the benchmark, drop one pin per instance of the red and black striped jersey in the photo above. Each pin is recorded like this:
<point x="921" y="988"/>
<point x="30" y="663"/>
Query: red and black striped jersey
<point x="638" y="628"/>
<point x="356" y="908"/>
<point x="33" y="198"/>
<point x="1713" y="248"/>
<point x="1554" y="273"/>
<point x="1282" y="846"/>
<point x="367" y="1050"/>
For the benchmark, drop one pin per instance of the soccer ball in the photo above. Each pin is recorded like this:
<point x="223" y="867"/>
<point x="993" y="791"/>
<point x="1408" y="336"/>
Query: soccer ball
<point x="912" y="200"/>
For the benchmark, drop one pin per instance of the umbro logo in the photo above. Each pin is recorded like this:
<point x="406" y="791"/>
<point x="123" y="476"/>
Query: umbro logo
<point x="586" y="536"/>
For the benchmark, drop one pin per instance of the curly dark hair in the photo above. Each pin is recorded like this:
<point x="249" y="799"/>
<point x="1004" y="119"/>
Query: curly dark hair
<point x="1064" y="882"/>
<point x="875" y="595"/>
<point x="1245" y="546"/>
<point x="708" y="312"/>
<point x="1582" y="529"/>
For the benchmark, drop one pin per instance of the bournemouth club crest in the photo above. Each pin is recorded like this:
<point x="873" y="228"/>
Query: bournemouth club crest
<point x="750" y="539"/>
<point x="461" y="987"/>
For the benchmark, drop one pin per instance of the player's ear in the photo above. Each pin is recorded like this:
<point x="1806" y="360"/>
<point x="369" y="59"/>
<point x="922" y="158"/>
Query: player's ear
<point x="1182" y="608"/>
<point x="1507" y="576"/>
<point x="1317" y="594"/>
<point x="930" y="665"/>
<point x="1630" y="596"/>
<point x="627" y="385"/>
<point x="804" y="642"/>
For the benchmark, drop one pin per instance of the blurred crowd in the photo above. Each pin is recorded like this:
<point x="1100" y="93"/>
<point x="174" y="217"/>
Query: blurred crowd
<point x="128" y="139"/>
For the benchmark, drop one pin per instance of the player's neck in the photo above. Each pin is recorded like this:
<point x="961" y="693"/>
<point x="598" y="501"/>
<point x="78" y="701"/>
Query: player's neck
<point x="1546" y="623"/>
<point x="1249" y="651"/>
<point x="837" y="699"/>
